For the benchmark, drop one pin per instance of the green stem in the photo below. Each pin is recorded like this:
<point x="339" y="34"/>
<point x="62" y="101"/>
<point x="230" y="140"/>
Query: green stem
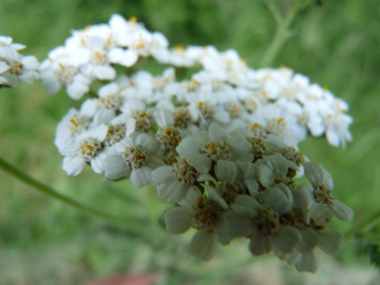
<point x="52" y="193"/>
<point x="282" y="30"/>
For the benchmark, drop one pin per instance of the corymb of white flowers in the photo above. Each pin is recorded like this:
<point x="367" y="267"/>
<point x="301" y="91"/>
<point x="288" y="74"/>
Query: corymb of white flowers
<point x="219" y="140"/>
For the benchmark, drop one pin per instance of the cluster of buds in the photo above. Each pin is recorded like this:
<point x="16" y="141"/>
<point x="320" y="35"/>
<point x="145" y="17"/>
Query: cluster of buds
<point x="15" y="67"/>
<point x="221" y="143"/>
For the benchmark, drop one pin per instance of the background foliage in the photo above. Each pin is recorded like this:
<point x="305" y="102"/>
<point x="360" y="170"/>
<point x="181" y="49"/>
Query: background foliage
<point x="43" y="241"/>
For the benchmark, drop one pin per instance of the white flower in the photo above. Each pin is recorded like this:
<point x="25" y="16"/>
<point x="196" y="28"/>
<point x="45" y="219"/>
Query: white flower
<point x="173" y="182"/>
<point x="283" y="124"/>
<point x="261" y="224"/>
<point x="8" y="41"/>
<point x="74" y="123"/>
<point x="205" y="215"/>
<point x="205" y="147"/>
<point x="86" y="148"/>
<point x="136" y="117"/>
<point x="136" y="158"/>
<point x="96" y="63"/>
<point x="15" y="67"/>
<point x="109" y="95"/>
<point x="176" y="56"/>
<point x="273" y="170"/>
<point x="213" y="82"/>
<point x="61" y="73"/>
<point x="122" y="29"/>
<point x="249" y="171"/>
<point x="167" y="134"/>
<point x="140" y="43"/>
<point x="323" y="185"/>
<point x="229" y="182"/>
<point x="337" y="127"/>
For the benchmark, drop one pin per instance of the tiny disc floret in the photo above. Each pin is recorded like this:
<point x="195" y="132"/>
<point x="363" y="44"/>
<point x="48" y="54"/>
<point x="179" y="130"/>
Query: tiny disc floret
<point x="111" y="101"/>
<point x="143" y="120"/>
<point x="185" y="172"/>
<point x="170" y="137"/>
<point x="115" y="134"/>
<point x="207" y="214"/>
<point x="135" y="156"/>
<point x="89" y="148"/>
<point x="216" y="151"/>
<point x="78" y="123"/>
<point x="182" y="117"/>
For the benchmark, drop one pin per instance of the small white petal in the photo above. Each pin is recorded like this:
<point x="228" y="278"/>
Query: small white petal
<point x="188" y="147"/>
<point x="332" y="137"/>
<point x="131" y="126"/>
<point x="225" y="170"/>
<point x="3" y="67"/>
<point x="77" y="89"/>
<point x="308" y="262"/>
<point x="164" y="117"/>
<point x="100" y="132"/>
<point x="293" y="258"/>
<point x="104" y="72"/>
<point x="259" y="244"/>
<point x="73" y="165"/>
<point x="147" y="142"/>
<point x="203" y="245"/>
<point x="51" y="85"/>
<point x="97" y="165"/>
<point x="201" y="162"/>
<point x="238" y="225"/>
<point x="301" y="196"/>
<point x="178" y="220"/>
<point x="320" y="214"/>
<point x="340" y="210"/>
<point x="115" y="55"/>
<point x="309" y="241"/>
<point x="30" y="62"/>
<point x="114" y="167"/>
<point x="277" y="200"/>
<point x="173" y="192"/>
<point x="217" y="133"/>
<point x="246" y="205"/>
<point x="141" y="177"/>
<point x="163" y="174"/>
<point x="330" y="241"/>
<point x="287" y="239"/>
<point x="129" y="58"/>
<point x="215" y="196"/>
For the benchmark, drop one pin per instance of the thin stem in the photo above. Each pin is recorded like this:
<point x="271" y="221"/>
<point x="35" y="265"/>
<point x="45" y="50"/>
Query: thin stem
<point x="282" y="32"/>
<point x="19" y="174"/>
<point x="276" y="14"/>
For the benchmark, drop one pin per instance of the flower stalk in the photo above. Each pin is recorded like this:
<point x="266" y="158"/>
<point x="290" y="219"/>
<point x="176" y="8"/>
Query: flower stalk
<point x="282" y="30"/>
<point x="22" y="176"/>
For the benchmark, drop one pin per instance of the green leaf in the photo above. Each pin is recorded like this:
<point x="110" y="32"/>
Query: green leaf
<point x="374" y="253"/>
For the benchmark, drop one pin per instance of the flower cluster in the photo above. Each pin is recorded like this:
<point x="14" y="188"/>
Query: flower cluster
<point x="222" y="143"/>
<point x="14" y="66"/>
<point x="88" y="55"/>
<point x="226" y="192"/>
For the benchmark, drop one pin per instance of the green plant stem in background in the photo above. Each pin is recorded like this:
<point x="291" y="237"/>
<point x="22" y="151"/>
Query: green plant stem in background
<point x="7" y="167"/>
<point x="281" y="34"/>
<point x="282" y="30"/>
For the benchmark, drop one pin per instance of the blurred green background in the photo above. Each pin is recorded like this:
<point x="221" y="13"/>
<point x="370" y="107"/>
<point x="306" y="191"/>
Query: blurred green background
<point x="43" y="241"/>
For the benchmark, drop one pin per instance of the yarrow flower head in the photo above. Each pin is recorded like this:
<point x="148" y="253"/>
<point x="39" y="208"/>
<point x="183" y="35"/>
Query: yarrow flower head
<point x="221" y="143"/>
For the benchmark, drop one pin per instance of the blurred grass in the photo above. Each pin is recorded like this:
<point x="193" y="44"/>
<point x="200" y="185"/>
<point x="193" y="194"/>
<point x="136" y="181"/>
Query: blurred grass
<point x="43" y="241"/>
